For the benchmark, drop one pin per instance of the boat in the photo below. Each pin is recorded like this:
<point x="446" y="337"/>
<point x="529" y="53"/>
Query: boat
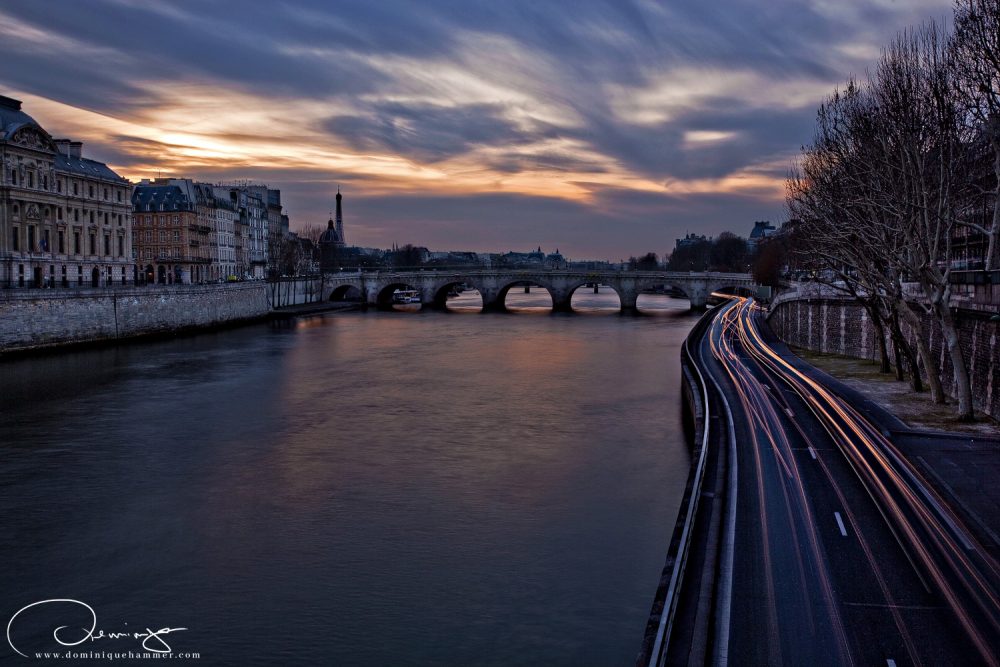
<point x="402" y="296"/>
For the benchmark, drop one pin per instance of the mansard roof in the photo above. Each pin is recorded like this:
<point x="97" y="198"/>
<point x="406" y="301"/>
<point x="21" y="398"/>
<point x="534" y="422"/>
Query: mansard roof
<point x="156" y="198"/>
<point x="13" y="119"/>
<point x="81" y="166"/>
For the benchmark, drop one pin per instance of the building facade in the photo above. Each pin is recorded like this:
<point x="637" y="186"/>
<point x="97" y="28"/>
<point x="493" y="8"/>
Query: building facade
<point x="186" y="232"/>
<point x="171" y="247"/>
<point x="65" y="220"/>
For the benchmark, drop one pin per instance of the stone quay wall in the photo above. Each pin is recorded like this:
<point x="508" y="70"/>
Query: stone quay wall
<point x="39" y="318"/>
<point x="841" y="326"/>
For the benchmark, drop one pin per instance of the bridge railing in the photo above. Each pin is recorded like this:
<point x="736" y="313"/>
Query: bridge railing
<point x="488" y="271"/>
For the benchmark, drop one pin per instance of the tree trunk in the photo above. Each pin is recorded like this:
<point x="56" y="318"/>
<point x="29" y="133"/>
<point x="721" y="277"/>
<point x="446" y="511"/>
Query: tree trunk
<point x="905" y="354"/>
<point x="960" y="372"/>
<point x="883" y="351"/>
<point x="992" y="249"/>
<point x="930" y="366"/>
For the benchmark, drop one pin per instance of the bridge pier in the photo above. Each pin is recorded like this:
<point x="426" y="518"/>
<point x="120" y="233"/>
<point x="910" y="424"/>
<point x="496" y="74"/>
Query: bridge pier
<point x="629" y="300"/>
<point x="494" y="306"/>
<point x="562" y="306"/>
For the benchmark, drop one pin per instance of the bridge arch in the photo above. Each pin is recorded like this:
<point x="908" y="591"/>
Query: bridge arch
<point x="443" y="290"/>
<point x="500" y="303"/>
<point x="647" y="302"/>
<point x="346" y="292"/>
<point x="596" y="284"/>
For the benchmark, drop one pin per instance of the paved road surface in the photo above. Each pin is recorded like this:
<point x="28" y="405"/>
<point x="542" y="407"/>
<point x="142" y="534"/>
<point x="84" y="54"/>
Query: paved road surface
<point x="843" y="552"/>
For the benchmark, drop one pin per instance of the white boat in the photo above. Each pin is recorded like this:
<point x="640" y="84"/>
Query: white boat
<point x="401" y="296"/>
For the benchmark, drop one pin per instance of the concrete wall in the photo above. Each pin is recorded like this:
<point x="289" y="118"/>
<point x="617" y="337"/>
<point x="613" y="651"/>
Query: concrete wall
<point x="842" y="327"/>
<point x="32" y="319"/>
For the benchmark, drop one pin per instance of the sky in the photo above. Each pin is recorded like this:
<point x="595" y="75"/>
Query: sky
<point x="602" y="128"/>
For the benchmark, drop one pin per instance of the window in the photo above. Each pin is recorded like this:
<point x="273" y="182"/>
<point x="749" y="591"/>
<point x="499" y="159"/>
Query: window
<point x="13" y="176"/>
<point x="148" y="236"/>
<point x="59" y="185"/>
<point x="176" y="219"/>
<point x="45" y="182"/>
<point x="76" y="188"/>
<point x="149" y="219"/>
<point x="119" y="195"/>
<point x="31" y="238"/>
<point x="76" y="243"/>
<point x="15" y="239"/>
<point x="79" y="275"/>
<point x="90" y="191"/>
<point x="177" y="236"/>
<point x="59" y="213"/>
<point x="163" y="237"/>
<point x="105" y="194"/>
<point x="91" y="217"/>
<point x="93" y="244"/>
<point x="107" y="245"/>
<point x="31" y="179"/>
<point x="45" y="241"/>
<point x="76" y="215"/>
<point x="62" y="244"/>
<point x="121" y="246"/>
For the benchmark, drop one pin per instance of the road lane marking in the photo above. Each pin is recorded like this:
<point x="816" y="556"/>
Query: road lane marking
<point x="812" y="453"/>
<point x="890" y="663"/>
<point x="789" y="412"/>
<point x="840" y="522"/>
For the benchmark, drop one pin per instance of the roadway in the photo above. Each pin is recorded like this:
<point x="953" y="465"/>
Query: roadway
<point x="838" y="550"/>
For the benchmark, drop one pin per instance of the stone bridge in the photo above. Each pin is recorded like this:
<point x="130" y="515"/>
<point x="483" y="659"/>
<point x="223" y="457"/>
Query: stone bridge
<point x="376" y="287"/>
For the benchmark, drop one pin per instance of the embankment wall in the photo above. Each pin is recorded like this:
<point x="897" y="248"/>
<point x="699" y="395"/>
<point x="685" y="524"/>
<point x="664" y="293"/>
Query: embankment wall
<point x="41" y="318"/>
<point x="841" y="326"/>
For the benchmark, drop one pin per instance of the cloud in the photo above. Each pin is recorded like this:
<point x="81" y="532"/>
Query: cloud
<point x="601" y="126"/>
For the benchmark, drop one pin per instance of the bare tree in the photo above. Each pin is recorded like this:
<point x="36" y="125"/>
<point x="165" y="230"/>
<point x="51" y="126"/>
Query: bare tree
<point x="975" y="60"/>
<point x="918" y="132"/>
<point x="312" y="233"/>
<point x="849" y="232"/>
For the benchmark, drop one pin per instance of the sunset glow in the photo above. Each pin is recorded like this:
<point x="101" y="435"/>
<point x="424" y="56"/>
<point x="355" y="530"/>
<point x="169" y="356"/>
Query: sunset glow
<point x="600" y="125"/>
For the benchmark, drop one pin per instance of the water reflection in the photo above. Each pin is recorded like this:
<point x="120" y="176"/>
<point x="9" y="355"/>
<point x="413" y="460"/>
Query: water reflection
<point x="361" y="488"/>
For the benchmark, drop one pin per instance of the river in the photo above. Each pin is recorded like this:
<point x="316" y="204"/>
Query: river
<point x="355" y="488"/>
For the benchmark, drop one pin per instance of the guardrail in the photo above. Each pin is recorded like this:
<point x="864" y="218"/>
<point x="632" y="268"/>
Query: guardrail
<point x="693" y="495"/>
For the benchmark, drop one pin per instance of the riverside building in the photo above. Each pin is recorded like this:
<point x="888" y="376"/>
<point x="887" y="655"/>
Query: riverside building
<point x="65" y="220"/>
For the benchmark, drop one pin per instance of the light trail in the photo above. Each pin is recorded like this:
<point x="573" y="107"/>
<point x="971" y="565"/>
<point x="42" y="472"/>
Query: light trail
<point x="944" y="554"/>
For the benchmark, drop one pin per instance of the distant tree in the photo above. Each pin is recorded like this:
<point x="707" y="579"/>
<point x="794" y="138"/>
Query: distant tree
<point x="728" y="253"/>
<point x="769" y="260"/>
<point x="690" y="257"/>
<point x="408" y="256"/>
<point x="312" y="233"/>
<point x="648" y="262"/>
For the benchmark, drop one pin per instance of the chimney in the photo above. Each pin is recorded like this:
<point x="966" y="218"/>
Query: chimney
<point x="76" y="149"/>
<point x="62" y="145"/>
